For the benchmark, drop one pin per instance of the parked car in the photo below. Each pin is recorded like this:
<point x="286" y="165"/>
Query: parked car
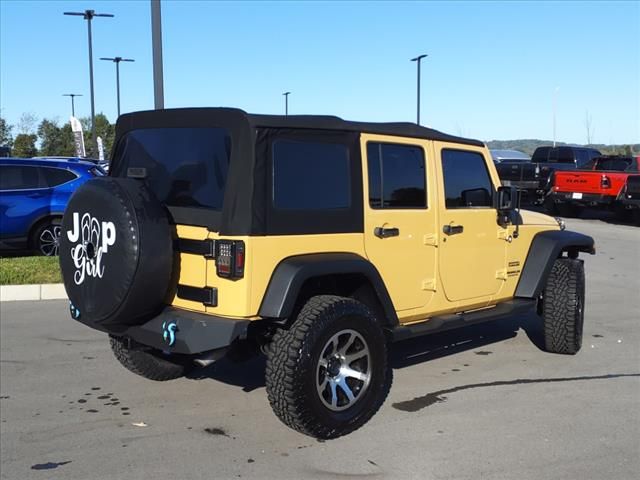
<point x="630" y="197"/>
<point x="314" y="240"/>
<point x="500" y="156"/>
<point x="532" y="178"/>
<point x="33" y="195"/>
<point x="598" y="187"/>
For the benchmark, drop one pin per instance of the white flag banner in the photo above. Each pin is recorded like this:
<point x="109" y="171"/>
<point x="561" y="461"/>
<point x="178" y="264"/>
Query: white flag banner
<point x="100" y="149"/>
<point x="78" y="138"/>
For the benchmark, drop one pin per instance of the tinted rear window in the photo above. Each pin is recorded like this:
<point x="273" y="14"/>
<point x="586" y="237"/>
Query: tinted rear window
<point x="57" y="176"/>
<point x="614" y="164"/>
<point x="310" y="176"/>
<point x="396" y="176"/>
<point x="541" y="154"/>
<point x="185" y="167"/>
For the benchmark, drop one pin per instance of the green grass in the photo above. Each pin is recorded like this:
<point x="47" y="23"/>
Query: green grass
<point x="29" y="270"/>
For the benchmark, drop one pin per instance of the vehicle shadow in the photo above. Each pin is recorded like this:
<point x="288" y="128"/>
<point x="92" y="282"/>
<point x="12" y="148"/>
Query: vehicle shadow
<point x="249" y="374"/>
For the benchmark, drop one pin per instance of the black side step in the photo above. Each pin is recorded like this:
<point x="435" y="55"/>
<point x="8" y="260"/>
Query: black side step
<point x="449" y="322"/>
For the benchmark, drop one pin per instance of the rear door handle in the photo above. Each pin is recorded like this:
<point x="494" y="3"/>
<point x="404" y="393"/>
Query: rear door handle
<point x="452" y="229"/>
<point x="381" y="232"/>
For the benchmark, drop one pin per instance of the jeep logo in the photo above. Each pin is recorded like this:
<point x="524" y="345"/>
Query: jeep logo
<point x="94" y="239"/>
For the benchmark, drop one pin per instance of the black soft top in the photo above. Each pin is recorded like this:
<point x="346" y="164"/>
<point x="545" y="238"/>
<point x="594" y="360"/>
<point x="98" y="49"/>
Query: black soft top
<point x="246" y="210"/>
<point x="222" y="116"/>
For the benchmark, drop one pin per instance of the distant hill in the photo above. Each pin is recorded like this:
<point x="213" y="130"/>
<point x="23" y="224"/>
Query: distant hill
<point x="529" y="145"/>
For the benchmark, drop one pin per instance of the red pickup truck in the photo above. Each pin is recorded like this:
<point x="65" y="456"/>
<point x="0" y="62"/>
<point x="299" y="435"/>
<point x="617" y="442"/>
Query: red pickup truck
<point x="599" y="186"/>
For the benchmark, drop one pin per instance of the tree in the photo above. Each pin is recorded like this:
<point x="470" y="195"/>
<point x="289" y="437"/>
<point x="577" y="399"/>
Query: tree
<point x="6" y="139"/>
<point x="104" y="130"/>
<point x="24" y="145"/>
<point x="55" y="140"/>
<point x="589" y="127"/>
<point x="27" y="123"/>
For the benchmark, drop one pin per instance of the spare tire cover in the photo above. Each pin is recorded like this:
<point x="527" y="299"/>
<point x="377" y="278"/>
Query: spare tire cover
<point x="116" y="252"/>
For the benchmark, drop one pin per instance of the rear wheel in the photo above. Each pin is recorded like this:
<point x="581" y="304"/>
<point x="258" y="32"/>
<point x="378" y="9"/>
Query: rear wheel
<point x="149" y="363"/>
<point x="45" y="238"/>
<point x="327" y="375"/>
<point x="563" y="307"/>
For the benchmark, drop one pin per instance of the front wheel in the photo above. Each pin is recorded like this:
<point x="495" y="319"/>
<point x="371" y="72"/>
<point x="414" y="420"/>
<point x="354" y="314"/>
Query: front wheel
<point x="327" y="375"/>
<point x="563" y="307"/>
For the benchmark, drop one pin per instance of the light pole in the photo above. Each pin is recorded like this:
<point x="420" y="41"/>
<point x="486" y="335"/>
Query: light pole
<point x="117" y="61"/>
<point x="88" y="16"/>
<point x="555" y="107"/>
<point x="156" y="46"/>
<point x="73" y="107"/>
<point x="418" y="59"/>
<point x="286" y="103"/>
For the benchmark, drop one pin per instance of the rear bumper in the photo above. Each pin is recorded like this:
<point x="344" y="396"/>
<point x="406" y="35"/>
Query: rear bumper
<point x="184" y="332"/>
<point x="631" y="203"/>
<point x="584" y="199"/>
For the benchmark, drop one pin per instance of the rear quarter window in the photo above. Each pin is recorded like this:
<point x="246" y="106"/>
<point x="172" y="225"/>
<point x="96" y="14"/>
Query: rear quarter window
<point x="54" y="177"/>
<point x="310" y="176"/>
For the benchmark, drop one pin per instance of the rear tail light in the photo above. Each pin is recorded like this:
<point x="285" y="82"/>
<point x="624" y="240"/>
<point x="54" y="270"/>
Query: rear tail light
<point x="605" y="182"/>
<point x="230" y="258"/>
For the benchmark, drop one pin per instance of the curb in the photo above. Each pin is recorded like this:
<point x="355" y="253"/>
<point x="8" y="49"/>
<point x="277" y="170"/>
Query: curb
<point x="14" y="293"/>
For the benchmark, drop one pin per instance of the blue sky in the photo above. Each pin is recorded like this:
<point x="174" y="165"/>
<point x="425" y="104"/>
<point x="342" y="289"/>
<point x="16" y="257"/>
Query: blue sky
<point x="491" y="73"/>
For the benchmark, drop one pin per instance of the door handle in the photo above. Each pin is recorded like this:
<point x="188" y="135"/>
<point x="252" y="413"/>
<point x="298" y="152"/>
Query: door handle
<point x="452" y="229"/>
<point x="381" y="232"/>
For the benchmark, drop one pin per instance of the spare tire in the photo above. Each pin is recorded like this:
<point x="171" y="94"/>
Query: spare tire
<point x="116" y="253"/>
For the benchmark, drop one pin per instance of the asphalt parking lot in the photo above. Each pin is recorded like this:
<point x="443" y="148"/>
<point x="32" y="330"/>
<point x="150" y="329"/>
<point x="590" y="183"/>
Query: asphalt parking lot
<point x="483" y="402"/>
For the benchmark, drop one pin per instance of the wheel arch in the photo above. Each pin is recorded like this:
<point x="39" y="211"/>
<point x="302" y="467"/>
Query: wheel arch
<point x="545" y="248"/>
<point x="302" y="276"/>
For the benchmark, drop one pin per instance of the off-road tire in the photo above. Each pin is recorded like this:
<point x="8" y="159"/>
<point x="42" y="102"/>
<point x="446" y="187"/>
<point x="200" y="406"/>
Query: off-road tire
<point x="563" y="307"/>
<point x="148" y="363"/>
<point x="292" y="362"/>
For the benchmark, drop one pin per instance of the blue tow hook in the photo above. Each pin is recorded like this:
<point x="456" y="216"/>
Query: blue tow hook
<point x="75" y="313"/>
<point x="169" y="332"/>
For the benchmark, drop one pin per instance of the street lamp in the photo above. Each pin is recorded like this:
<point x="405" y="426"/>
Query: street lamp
<point x="418" y="59"/>
<point x="117" y="61"/>
<point x="286" y="103"/>
<point x="88" y="16"/>
<point x="555" y="108"/>
<point x="73" y="107"/>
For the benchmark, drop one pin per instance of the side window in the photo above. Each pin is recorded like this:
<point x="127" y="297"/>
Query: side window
<point x="565" y="155"/>
<point x="56" y="176"/>
<point x="396" y="176"/>
<point x="310" y="176"/>
<point x="466" y="180"/>
<point x="19" y="178"/>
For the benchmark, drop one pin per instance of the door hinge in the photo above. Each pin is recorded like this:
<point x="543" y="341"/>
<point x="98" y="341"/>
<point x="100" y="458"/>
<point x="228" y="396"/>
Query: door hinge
<point x="431" y="239"/>
<point x="501" y="274"/>
<point x="429" y="284"/>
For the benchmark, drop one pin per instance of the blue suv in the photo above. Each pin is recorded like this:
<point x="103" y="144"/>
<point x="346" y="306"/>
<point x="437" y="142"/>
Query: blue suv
<point x="33" y="196"/>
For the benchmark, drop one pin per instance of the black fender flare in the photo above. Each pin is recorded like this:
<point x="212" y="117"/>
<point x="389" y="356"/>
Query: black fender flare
<point x="545" y="248"/>
<point x="291" y="273"/>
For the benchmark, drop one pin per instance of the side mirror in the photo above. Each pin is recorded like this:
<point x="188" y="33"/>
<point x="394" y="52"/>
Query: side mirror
<point x="507" y="200"/>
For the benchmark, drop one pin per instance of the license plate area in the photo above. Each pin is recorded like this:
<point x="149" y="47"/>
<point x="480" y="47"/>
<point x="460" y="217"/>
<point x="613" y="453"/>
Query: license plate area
<point x="576" y="195"/>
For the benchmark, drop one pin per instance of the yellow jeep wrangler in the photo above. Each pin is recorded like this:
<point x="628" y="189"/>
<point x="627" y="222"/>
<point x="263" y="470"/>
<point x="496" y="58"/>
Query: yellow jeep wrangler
<point x="317" y="240"/>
